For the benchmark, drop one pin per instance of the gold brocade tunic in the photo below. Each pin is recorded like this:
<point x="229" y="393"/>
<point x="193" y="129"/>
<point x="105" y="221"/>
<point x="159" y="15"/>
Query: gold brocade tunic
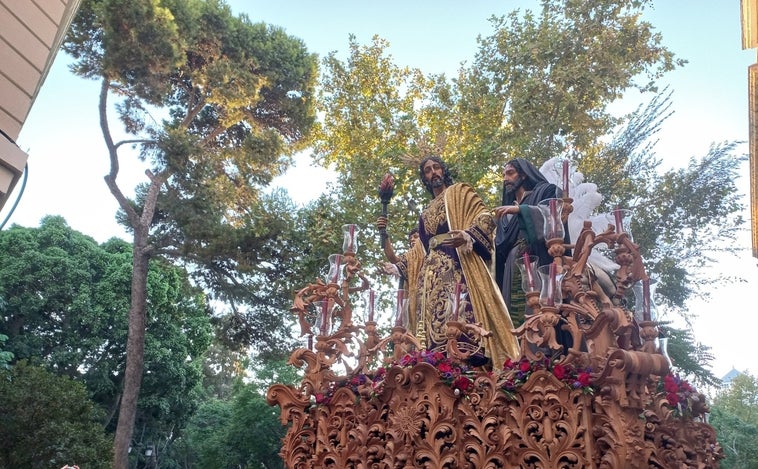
<point x="460" y="208"/>
<point x="409" y="267"/>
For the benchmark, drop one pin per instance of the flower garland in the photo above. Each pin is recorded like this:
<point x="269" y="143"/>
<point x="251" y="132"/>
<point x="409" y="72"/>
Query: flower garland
<point x="355" y="384"/>
<point x="460" y="377"/>
<point x="515" y="374"/>
<point x="680" y="394"/>
<point x="456" y="375"/>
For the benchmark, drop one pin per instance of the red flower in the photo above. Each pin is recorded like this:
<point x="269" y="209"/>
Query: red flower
<point x="559" y="371"/>
<point x="673" y="398"/>
<point x="445" y="367"/>
<point x="508" y="364"/>
<point x="584" y="379"/>
<point x="524" y="366"/>
<point x="462" y="383"/>
<point x="669" y="384"/>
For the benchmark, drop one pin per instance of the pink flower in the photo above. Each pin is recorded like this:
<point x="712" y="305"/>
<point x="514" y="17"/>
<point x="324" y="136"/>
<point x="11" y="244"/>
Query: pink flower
<point x="524" y="366"/>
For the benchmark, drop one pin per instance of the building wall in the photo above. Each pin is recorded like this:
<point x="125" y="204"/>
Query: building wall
<point x="31" y="32"/>
<point x="749" y="10"/>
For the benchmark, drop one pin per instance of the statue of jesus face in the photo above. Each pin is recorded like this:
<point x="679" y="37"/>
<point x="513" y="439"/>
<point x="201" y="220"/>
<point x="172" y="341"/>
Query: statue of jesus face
<point x="434" y="174"/>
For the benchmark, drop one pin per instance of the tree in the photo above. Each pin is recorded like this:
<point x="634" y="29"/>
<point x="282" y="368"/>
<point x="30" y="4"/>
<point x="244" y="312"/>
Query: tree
<point x="693" y="358"/>
<point x="255" y="431"/>
<point x="5" y="356"/>
<point x="734" y="416"/>
<point x="233" y="101"/>
<point x="65" y="299"/>
<point x="528" y="92"/>
<point x="204" y="440"/>
<point x="241" y="431"/>
<point x="553" y="74"/>
<point x="369" y="123"/>
<point x="540" y="82"/>
<point x="48" y="421"/>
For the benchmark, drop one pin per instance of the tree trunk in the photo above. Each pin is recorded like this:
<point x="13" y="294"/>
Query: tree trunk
<point x="141" y="253"/>
<point x="135" y="353"/>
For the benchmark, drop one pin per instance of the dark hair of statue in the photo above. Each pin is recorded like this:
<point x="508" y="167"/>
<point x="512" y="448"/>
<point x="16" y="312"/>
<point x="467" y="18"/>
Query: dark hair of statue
<point x="531" y="175"/>
<point x="528" y="183"/>
<point x="447" y="177"/>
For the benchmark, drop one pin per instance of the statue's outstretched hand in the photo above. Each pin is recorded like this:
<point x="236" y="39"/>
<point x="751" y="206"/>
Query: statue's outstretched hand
<point x="505" y="210"/>
<point x="390" y="269"/>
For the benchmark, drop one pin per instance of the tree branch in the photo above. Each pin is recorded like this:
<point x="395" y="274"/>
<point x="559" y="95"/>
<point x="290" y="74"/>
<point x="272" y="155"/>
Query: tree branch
<point x="192" y="112"/>
<point x="110" y="178"/>
<point x="123" y="142"/>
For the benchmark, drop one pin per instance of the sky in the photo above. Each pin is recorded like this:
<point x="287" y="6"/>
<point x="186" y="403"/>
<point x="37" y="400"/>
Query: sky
<point x="68" y="160"/>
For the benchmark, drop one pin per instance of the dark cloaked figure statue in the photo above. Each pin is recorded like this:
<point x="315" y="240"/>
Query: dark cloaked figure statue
<point x="518" y="230"/>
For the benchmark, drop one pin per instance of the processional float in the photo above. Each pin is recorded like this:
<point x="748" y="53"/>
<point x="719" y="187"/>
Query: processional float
<point x="608" y="400"/>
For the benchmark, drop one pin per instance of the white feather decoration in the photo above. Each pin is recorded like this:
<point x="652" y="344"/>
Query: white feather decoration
<point x="586" y="199"/>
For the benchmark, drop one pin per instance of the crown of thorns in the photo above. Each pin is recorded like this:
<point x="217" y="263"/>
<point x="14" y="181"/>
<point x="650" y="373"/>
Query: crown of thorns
<point x="424" y="148"/>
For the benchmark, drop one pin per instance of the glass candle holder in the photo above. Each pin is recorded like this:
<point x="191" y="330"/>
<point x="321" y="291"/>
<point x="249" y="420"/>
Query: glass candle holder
<point x="456" y="302"/>
<point x="369" y="305"/>
<point x="563" y="167"/>
<point x="661" y="345"/>
<point x="336" y="269"/>
<point x="644" y="302"/>
<point x="551" y="210"/>
<point x="551" y="277"/>
<point x="350" y="238"/>
<point x="323" y="316"/>
<point x="401" y="308"/>
<point x="530" y="279"/>
<point x="620" y="219"/>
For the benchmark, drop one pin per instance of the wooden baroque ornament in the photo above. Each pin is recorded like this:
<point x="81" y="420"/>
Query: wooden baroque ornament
<point x="609" y="401"/>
